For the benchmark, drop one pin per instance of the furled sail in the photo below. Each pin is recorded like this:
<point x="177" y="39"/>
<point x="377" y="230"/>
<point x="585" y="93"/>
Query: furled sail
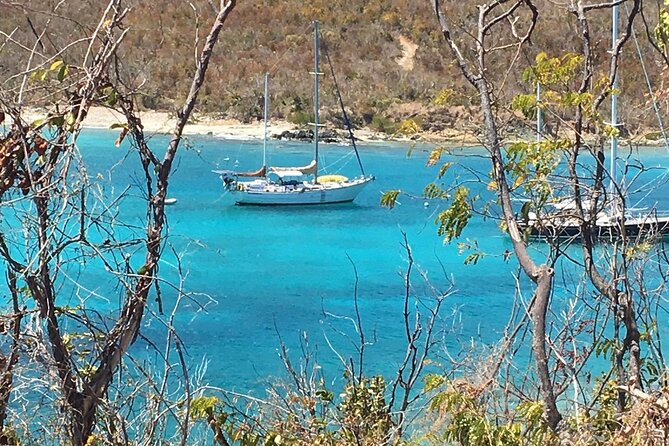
<point x="258" y="173"/>
<point x="309" y="169"/>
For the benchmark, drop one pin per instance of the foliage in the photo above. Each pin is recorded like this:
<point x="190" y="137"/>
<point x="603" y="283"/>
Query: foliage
<point x="203" y="407"/>
<point x="435" y="156"/>
<point x="453" y="220"/>
<point x="159" y="57"/>
<point x="464" y="418"/>
<point x="300" y="118"/>
<point x="662" y="27"/>
<point x="532" y="164"/>
<point x="463" y="407"/>
<point x="526" y="104"/>
<point x="383" y="124"/>
<point x="474" y="253"/>
<point x="553" y="71"/>
<point x="359" y="415"/>
<point x="443" y="97"/>
<point x="408" y="128"/>
<point x="389" y="198"/>
<point x="365" y="412"/>
<point x="559" y="77"/>
<point x="433" y="191"/>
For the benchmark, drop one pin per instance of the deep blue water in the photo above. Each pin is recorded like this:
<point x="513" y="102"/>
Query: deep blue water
<point x="280" y="269"/>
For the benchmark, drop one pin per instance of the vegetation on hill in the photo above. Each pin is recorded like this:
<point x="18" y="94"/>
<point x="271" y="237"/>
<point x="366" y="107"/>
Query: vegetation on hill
<point x="365" y="39"/>
<point x="593" y="335"/>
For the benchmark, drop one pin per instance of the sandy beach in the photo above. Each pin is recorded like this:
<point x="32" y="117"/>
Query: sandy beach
<point x="163" y="122"/>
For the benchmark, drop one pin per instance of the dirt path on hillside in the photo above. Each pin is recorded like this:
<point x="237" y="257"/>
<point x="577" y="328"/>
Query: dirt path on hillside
<point x="408" y="53"/>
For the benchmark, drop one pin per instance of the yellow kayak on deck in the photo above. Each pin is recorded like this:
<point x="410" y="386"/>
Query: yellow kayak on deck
<point x="332" y="179"/>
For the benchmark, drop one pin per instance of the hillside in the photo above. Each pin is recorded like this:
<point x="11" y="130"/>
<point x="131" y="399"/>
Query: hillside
<point x="388" y="54"/>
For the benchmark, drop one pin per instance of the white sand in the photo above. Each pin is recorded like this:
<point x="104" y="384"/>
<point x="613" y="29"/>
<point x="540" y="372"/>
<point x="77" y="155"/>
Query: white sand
<point x="163" y="122"/>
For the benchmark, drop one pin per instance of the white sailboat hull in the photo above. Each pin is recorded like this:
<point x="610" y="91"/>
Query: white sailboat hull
<point x="283" y="186"/>
<point x="268" y="194"/>
<point x="605" y="227"/>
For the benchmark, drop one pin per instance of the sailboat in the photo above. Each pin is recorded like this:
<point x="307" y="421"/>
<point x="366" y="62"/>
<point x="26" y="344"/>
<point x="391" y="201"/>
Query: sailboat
<point x="562" y="221"/>
<point x="296" y="185"/>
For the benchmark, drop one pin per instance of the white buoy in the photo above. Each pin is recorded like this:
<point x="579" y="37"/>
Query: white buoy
<point x="426" y="204"/>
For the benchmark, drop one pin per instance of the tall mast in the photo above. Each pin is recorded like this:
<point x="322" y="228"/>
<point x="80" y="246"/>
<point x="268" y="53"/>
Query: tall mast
<point x="265" y="111"/>
<point x="316" y="99"/>
<point x="539" y="116"/>
<point x="614" y="107"/>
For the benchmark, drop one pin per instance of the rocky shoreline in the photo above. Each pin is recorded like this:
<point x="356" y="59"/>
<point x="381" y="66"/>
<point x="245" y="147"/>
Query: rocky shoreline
<point x="326" y="135"/>
<point x="449" y="131"/>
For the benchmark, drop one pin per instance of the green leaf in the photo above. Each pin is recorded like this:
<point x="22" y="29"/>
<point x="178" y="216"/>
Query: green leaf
<point x="408" y="127"/>
<point x="662" y="29"/>
<point x="203" y="406"/>
<point x="325" y="395"/>
<point x="473" y="258"/>
<point x="443" y="96"/>
<point x="63" y="72"/>
<point x="432" y="191"/>
<point x="57" y="65"/>
<point x="111" y="96"/>
<point x="70" y="120"/>
<point x="433" y="382"/>
<point x="143" y="270"/>
<point x="444" y="167"/>
<point x="453" y="220"/>
<point x="389" y="199"/>
<point x="435" y="155"/>
<point x="57" y="121"/>
<point x="525" y="211"/>
<point x="526" y="104"/>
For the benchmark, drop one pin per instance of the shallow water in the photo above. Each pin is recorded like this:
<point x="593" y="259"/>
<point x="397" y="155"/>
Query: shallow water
<point x="279" y="270"/>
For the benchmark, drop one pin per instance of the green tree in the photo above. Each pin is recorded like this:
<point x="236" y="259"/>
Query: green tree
<point x="45" y="188"/>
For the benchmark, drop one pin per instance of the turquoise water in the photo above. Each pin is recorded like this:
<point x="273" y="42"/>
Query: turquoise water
<point x="280" y="270"/>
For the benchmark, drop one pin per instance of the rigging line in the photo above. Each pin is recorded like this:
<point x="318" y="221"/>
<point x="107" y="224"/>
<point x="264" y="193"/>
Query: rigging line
<point x="343" y="161"/>
<point x="655" y="108"/>
<point x="343" y="110"/>
<point x="652" y="187"/>
<point x="650" y="87"/>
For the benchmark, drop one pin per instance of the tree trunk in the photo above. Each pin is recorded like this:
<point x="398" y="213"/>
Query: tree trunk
<point x="538" y="314"/>
<point x="541" y="275"/>
<point x="8" y="361"/>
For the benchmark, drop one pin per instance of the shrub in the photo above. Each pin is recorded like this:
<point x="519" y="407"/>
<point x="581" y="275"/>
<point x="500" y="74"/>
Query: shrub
<point x="382" y="124"/>
<point x="300" y="117"/>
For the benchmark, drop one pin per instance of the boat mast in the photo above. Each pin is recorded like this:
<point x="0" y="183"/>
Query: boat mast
<point x="539" y="116"/>
<point x="347" y="121"/>
<point x="316" y="73"/>
<point x="265" y="111"/>
<point x="614" y="108"/>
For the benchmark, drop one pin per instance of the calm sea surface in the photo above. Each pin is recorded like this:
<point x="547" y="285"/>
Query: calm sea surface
<point x="261" y="273"/>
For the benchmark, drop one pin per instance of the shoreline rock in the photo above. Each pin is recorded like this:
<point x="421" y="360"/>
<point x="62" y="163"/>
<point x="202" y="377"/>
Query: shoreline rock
<point x="445" y="132"/>
<point x="326" y="136"/>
